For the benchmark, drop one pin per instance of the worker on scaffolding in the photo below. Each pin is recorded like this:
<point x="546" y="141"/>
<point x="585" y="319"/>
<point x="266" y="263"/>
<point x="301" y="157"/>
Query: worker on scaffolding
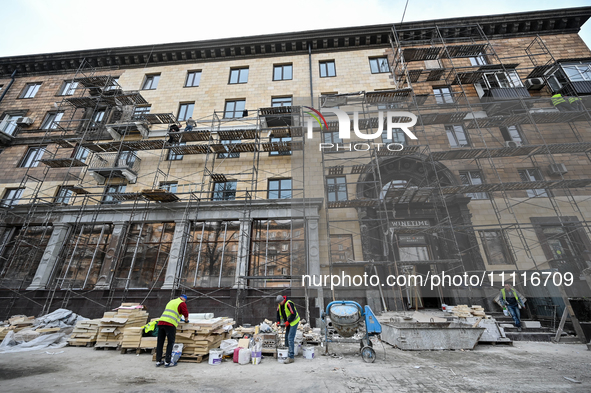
<point x="190" y="123"/>
<point x="576" y="103"/>
<point x="287" y="314"/>
<point x="167" y="328"/>
<point x="561" y="103"/>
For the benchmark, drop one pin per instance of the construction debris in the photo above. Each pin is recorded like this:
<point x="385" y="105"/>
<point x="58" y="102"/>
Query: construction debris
<point x="463" y="311"/>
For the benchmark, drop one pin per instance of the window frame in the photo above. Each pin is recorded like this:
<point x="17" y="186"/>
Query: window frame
<point x="169" y="186"/>
<point x="282" y="71"/>
<point x="17" y="194"/>
<point x="239" y="71"/>
<point x="172" y="156"/>
<point x="32" y="157"/>
<point x="234" y="154"/>
<point x="151" y="82"/>
<point x="326" y="64"/>
<point x="224" y="194"/>
<point x="280" y="152"/>
<point x="512" y="79"/>
<point x="191" y="76"/>
<point x="68" y="88"/>
<point x="280" y="190"/>
<point x="234" y="111"/>
<point x="9" y="121"/>
<point x="443" y="98"/>
<point x="396" y="134"/>
<point x="506" y="133"/>
<point x="507" y="256"/>
<point x="379" y="65"/>
<point x="30" y="90"/>
<point x="534" y="173"/>
<point x="468" y="175"/>
<point x="450" y="130"/>
<point x="281" y="100"/>
<point x="63" y="195"/>
<point x="51" y="120"/>
<point x="185" y="106"/>
<point x="479" y="60"/>
<point x="337" y="193"/>
<point x="115" y="189"/>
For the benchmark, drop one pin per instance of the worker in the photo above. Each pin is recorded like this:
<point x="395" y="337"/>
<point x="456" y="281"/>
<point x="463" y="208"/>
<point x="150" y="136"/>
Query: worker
<point x="190" y="124"/>
<point x="560" y="103"/>
<point x="288" y="315"/>
<point x="513" y="302"/>
<point x="576" y="103"/>
<point x="167" y="328"/>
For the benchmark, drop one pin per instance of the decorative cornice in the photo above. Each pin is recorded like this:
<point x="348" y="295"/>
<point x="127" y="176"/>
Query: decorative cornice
<point x="560" y="21"/>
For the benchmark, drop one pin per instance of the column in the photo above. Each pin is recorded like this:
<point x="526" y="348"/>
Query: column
<point x="175" y="257"/>
<point x="314" y="259"/>
<point x="50" y="257"/>
<point x="112" y="255"/>
<point x="243" y="251"/>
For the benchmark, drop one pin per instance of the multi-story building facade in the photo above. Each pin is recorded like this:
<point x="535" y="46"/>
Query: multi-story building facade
<point x="222" y="169"/>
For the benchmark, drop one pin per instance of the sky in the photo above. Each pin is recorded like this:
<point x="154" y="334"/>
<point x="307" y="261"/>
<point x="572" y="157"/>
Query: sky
<point x="48" y="26"/>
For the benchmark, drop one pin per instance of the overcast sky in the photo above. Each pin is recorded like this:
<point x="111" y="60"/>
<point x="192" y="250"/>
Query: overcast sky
<point x="46" y="26"/>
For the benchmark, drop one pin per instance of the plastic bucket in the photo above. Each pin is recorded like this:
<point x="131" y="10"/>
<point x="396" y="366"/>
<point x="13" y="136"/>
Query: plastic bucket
<point x="308" y="352"/>
<point x="215" y="356"/>
<point x="282" y="354"/>
<point x="244" y="356"/>
<point x="297" y="349"/>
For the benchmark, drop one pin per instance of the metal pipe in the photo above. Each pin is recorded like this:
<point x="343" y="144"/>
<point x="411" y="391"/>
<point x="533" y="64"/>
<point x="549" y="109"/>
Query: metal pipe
<point x="310" y="67"/>
<point x="9" y="84"/>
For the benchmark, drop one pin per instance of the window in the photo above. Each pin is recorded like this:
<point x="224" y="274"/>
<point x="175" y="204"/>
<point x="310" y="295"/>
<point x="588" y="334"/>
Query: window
<point x="533" y="175"/>
<point x="11" y="197"/>
<point x="139" y="112"/>
<point x="81" y="153"/>
<point x="473" y="178"/>
<point x="8" y="124"/>
<point x="63" y="195"/>
<point x="238" y="75"/>
<point x="185" y="111"/>
<point x="169" y="186"/>
<point x="327" y="69"/>
<point x="331" y="137"/>
<point x="341" y="248"/>
<point x="280" y="101"/>
<point x="336" y="188"/>
<point x="68" y="88"/>
<point x="172" y="156"/>
<point x="230" y="147"/>
<point x="512" y="133"/>
<point x="379" y="65"/>
<point x="280" y="152"/>
<point x="282" y="72"/>
<point x="478" y="60"/>
<point x="443" y="95"/>
<point x="280" y="189"/>
<point x="234" y="109"/>
<point x="224" y="191"/>
<point x="113" y="85"/>
<point x="110" y="190"/>
<point x="193" y="79"/>
<point x="51" y="120"/>
<point x="457" y="136"/>
<point x="495" y="247"/>
<point x="578" y="72"/>
<point x="30" y="90"/>
<point x="31" y="159"/>
<point x="151" y="82"/>
<point x="398" y="136"/>
<point x="502" y="80"/>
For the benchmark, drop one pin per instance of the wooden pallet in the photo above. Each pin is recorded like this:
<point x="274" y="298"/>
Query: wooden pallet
<point x="187" y="358"/>
<point x="82" y="344"/>
<point x="495" y="342"/>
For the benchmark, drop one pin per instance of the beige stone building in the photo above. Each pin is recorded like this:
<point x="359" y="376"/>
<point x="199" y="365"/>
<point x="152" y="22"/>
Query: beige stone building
<point x="361" y="163"/>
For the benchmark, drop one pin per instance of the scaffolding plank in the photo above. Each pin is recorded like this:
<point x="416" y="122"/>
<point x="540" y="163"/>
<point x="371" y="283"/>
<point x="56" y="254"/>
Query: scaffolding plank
<point x="237" y="134"/>
<point x="242" y="147"/>
<point x="159" y="195"/>
<point x="435" y="74"/>
<point x="459" y="154"/>
<point x="126" y="196"/>
<point x="283" y="132"/>
<point x="218" y="148"/>
<point x="142" y="145"/>
<point x="76" y="189"/>
<point x="471" y="50"/>
<point x="414" y="75"/>
<point x="575" y="183"/>
<point x="62" y="162"/>
<point x="82" y="102"/>
<point x="511" y="151"/>
<point x="131" y="98"/>
<point x="468" y="77"/>
<point x="189" y="149"/>
<point x="336" y="170"/>
<point x="352" y="203"/>
<point x="159" y="118"/>
<point x="65" y="143"/>
<point x="419" y="54"/>
<point x="98" y="81"/>
<point x="219" y="177"/>
<point x="276" y="111"/>
<point x="385" y="96"/>
<point x="539" y="71"/>
<point x="189" y="136"/>
<point x="359" y="168"/>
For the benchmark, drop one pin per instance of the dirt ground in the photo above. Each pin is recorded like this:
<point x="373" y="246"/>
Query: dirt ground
<point x="524" y="367"/>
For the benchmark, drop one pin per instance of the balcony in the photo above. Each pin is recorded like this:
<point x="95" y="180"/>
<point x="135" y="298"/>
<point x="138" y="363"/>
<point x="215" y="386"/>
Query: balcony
<point x="122" y="165"/>
<point x="502" y="101"/>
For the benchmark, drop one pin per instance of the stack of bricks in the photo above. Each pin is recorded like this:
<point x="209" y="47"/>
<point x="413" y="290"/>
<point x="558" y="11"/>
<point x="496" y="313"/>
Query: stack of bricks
<point x="85" y="333"/>
<point x="463" y="311"/>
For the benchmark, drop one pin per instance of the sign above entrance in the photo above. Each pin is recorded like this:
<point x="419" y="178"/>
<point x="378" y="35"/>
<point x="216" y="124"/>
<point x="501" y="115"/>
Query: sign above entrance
<point x="410" y="223"/>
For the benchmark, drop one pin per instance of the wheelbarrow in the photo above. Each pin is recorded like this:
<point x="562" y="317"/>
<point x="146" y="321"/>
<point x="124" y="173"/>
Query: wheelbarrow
<point x="347" y="318"/>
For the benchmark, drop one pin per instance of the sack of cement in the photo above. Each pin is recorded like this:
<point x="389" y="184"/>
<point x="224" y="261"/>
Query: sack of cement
<point x="228" y="346"/>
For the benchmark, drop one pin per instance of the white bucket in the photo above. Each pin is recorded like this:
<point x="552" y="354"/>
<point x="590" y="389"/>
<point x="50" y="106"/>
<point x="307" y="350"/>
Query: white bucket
<point x="215" y="356"/>
<point x="443" y="306"/>
<point x="297" y="349"/>
<point x="282" y="354"/>
<point x="244" y="356"/>
<point x="308" y="351"/>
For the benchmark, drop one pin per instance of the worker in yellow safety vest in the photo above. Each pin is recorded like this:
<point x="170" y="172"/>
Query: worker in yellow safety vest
<point x="167" y="325"/>
<point x="513" y="302"/>
<point x="560" y="103"/>
<point x="576" y="103"/>
<point x="287" y="313"/>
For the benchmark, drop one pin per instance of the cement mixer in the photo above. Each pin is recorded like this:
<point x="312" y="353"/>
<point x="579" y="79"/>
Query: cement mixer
<point x="347" y="317"/>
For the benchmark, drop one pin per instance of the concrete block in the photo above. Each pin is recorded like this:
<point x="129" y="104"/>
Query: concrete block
<point x="531" y="324"/>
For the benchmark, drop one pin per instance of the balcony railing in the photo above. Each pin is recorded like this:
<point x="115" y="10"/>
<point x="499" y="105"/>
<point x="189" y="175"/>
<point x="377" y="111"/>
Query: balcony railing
<point x="125" y="165"/>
